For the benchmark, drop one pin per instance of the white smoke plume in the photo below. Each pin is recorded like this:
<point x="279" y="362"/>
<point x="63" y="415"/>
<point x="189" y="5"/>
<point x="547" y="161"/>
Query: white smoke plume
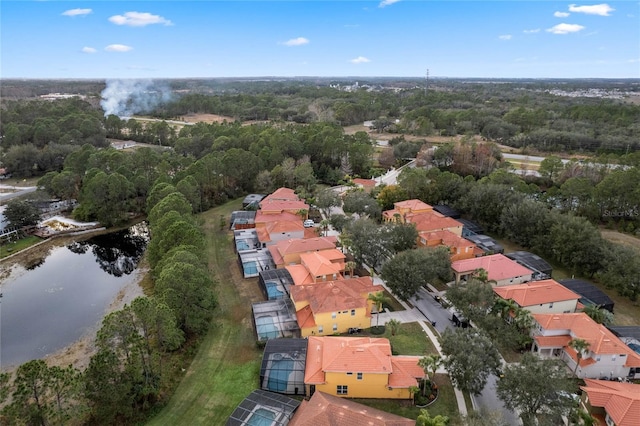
<point x="126" y="97"/>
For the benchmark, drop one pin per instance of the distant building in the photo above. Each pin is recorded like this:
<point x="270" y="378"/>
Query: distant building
<point x="500" y="269"/>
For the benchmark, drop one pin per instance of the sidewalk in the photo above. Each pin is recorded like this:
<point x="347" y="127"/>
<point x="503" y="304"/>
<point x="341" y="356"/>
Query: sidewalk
<point x="414" y="315"/>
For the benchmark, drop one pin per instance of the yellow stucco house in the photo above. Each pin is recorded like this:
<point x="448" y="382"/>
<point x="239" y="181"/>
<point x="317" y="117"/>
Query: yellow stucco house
<point x="359" y="367"/>
<point x="333" y="307"/>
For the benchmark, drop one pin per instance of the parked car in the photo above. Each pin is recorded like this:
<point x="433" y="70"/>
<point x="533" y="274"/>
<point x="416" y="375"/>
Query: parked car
<point x="309" y="223"/>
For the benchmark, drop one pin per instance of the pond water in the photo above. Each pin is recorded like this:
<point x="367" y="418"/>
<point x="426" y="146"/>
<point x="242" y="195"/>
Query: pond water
<point x="56" y="299"/>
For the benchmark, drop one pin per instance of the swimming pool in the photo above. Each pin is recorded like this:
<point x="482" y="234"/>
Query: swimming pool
<point x="272" y="290"/>
<point x="242" y="245"/>
<point x="279" y="374"/>
<point x="250" y="268"/>
<point x="266" y="329"/>
<point x="635" y="347"/>
<point x="261" y="417"/>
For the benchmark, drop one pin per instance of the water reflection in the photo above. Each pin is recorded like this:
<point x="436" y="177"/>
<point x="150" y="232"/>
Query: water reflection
<point x="117" y="253"/>
<point x="48" y="307"/>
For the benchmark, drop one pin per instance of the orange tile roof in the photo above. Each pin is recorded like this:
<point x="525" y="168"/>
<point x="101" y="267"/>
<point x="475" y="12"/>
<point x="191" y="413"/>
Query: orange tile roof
<point x="280" y="227"/>
<point x="299" y="245"/>
<point x="406" y="371"/>
<point x="334" y="296"/>
<point x="621" y="401"/>
<point x="299" y="274"/>
<point x="345" y="354"/>
<point x="305" y="317"/>
<point x="498" y="267"/>
<point x="262" y="218"/>
<point x="318" y="265"/>
<point x="431" y="221"/>
<point x="552" y="341"/>
<point x="412" y="205"/>
<point x="281" y="206"/>
<point x="580" y="325"/>
<point x="282" y="194"/>
<point x="365" y="182"/>
<point x="536" y="293"/>
<point x="328" y="410"/>
<point x="446" y="238"/>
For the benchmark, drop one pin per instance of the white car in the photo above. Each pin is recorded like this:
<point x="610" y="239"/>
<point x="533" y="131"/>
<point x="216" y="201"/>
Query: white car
<point x="309" y="223"/>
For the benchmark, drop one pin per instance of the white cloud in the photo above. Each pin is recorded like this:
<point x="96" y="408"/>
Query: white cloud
<point x="535" y="30"/>
<point x="561" y="14"/>
<point x="76" y="12"/>
<point x="385" y="3"/>
<point x="299" y="41"/>
<point x="118" y="48"/>
<point x="87" y="49"/>
<point x="360" y="60"/>
<point x="505" y="37"/>
<point x="595" y="9"/>
<point x="138" y="19"/>
<point x="565" y="28"/>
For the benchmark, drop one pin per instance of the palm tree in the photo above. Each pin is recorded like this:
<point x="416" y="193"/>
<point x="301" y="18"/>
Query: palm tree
<point x="430" y="363"/>
<point x="378" y="300"/>
<point x="580" y="346"/>
<point x="523" y="320"/>
<point x="324" y="224"/>
<point x="394" y="325"/>
<point x="505" y="306"/>
<point x="350" y="266"/>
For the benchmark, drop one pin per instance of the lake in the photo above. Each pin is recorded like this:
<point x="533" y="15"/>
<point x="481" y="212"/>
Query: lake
<point x="58" y="298"/>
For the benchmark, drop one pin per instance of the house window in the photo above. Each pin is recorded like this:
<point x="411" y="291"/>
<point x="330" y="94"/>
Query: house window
<point x="320" y="329"/>
<point x="342" y="389"/>
<point x="333" y="314"/>
<point x="359" y="376"/>
<point x="613" y="357"/>
<point x="550" y="305"/>
<point x="335" y="327"/>
<point x="349" y="373"/>
<point x="353" y="312"/>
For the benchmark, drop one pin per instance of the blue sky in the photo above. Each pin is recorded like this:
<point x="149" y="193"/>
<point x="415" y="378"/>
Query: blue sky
<point x="175" y="39"/>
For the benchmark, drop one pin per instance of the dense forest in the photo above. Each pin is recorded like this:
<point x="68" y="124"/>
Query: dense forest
<point x="300" y="143"/>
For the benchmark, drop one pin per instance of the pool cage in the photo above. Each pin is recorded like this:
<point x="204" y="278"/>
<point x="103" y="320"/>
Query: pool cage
<point x="274" y="319"/>
<point x="262" y="408"/>
<point x="246" y="240"/>
<point x="540" y="267"/>
<point x="283" y="364"/>
<point x="255" y="261"/>
<point x="275" y="283"/>
<point x="241" y="219"/>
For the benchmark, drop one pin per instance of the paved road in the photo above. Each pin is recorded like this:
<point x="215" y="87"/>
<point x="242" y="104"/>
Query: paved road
<point x="20" y="190"/>
<point x="488" y="399"/>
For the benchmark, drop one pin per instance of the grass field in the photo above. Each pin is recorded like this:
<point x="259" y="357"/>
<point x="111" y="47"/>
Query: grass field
<point x="14" y="247"/>
<point x="226" y="368"/>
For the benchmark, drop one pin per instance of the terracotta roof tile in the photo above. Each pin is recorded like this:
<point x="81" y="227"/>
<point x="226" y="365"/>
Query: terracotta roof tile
<point x="262" y="218"/>
<point x="432" y="221"/>
<point x="536" y="293"/>
<point x="305" y="317"/>
<point x="498" y="267"/>
<point x="446" y="238"/>
<point x="299" y="274"/>
<point x="365" y="182"/>
<point x="552" y="341"/>
<point x="318" y="265"/>
<point x="328" y="410"/>
<point x="412" y="205"/>
<point x="620" y="400"/>
<point x="282" y="206"/>
<point x="282" y="194"/>
<point x="406" y="371"/>
<point x="335" y="296"/>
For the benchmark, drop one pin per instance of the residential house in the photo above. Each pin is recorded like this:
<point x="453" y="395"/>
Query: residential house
<point x="541" y="297"/>
<point x="402" y="208"/>
<point x="284" y="200"/>
<point x="333" y="307"/>
<point x="500" y="270"/>
<point x="317" y="267"/>
<point x="359" y="367"/>
<point x="607" y="356"/>
<point x="612" y="403"/>
<point x="287" y="252"/>
<point x="459" y="248"/>
<point x="273" y="227"/>
<point x="327" y="410"/>
<point x="366" y="184"/>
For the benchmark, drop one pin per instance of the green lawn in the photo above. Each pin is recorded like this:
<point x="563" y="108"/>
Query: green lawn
<point x="14" y="247"/>
<point x="410" y="340"/>
<point x="226" y="368"/>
